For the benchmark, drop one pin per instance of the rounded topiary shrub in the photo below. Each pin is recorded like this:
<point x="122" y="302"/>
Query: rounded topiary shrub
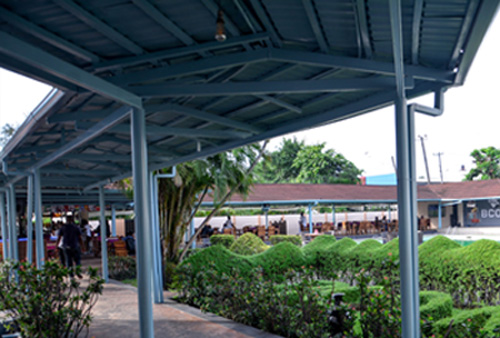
<point x="313" y="249"/>
<point x="222" y="259"/>
<point x="279" y="259"/>
<point x="248" y="244"/>
<point x="294" y="239"/>
<point x="435" y="304"/>
<point x="224" y="240"/>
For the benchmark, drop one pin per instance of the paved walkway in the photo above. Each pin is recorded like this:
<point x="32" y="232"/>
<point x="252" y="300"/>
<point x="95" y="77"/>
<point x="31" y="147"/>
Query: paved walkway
<point x="116" y="315"/>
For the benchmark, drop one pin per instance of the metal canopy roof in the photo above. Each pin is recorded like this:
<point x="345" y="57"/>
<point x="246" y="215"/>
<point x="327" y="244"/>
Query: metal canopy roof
<point x="285" y="66"/>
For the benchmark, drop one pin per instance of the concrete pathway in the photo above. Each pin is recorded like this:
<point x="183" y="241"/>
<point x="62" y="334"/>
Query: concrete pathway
<point x="116" y="315"/>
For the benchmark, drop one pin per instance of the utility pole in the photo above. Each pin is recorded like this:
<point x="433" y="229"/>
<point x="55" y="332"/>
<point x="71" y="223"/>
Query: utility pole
<point x="440" y="166"/>
<point x="425" y="160"/>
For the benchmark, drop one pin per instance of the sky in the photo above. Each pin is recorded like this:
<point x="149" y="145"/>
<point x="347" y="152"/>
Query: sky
<point x="471" y="120"/>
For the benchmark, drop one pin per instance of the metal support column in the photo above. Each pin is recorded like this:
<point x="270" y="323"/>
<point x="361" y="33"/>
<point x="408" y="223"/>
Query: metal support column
<point x="310" y="219"/>
<point x="104" y="235"/>
<point x="266" y="218"/>
<point x="440" y="216"/>
<point x="40" y="252"/>
<point x="29" y="221"/>
<point x="14" y="251"/>
<point x="334" y="221"/>
<point x="142" y="222"/>
<point x="191" y="228"/>
<point x="407" y="196"/>
<point x="155" y="230"/>
<point x="113" y="221"/>
<point x="389" y="213"/>
<point x="5" y="251"/>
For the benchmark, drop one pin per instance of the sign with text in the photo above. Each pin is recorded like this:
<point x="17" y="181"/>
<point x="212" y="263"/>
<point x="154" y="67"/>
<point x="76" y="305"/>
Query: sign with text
<point x="483" y="213"/>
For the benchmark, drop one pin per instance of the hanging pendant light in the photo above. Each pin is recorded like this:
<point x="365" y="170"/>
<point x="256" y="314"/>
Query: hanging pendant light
<point x="220" y="31"/>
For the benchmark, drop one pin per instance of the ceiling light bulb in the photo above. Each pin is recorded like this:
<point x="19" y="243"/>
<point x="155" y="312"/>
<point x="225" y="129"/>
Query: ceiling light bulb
<point x="220" y="31"/>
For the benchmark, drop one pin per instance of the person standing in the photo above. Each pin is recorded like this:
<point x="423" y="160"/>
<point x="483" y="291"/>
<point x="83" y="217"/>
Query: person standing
<point x="88" y="234"/>
<point x="71" y="238"/>
<point x="302" y="222"/>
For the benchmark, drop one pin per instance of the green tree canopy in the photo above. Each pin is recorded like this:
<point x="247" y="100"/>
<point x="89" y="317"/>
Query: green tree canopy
<point x="487" y="162"/>
<point x="296" y="162"/>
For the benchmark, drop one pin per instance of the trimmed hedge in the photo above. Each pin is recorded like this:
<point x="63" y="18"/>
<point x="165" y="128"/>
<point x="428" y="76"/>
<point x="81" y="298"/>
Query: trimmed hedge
<point x="222" y="259"/>
<point x="248" y="244"/>
<point x="224" y="240"/>
<point x="486" y="317"/>
<point x="435" y="304"/>
<point x="294" y="239"/>
<point x="279" y="259"/>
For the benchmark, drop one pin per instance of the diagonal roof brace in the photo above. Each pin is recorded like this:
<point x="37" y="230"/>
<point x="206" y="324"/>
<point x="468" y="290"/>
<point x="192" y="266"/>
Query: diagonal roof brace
<point x="50" y="64"/>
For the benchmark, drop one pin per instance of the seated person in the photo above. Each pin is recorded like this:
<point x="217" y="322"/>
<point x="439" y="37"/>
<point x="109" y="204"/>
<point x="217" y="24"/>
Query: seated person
<point x="228" y="224"/>
<point x="207" y="231"/>
<point x="130" y="243"/>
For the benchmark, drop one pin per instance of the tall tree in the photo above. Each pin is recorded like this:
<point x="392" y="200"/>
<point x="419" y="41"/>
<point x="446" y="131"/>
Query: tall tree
<point x="179" y="198"/>
<point x="6" y="133"/>
<point x="317" y="165"/>
<point x="487" y="162"/>
<point x="296" y="162"/>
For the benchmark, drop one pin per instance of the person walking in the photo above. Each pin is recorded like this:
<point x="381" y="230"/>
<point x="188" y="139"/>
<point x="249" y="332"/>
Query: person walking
<point x="71" y="238"/>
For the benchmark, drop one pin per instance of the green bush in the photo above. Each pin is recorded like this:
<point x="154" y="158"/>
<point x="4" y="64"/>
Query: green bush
<point x="121" y="268"/>
<point x="224" y="261"/>
<point x="280" y="258"/>
<point x="294" y="239"/>
<point x="485" y="317"/>
<point x="334" y="258"/>
<point x="224" y="240"/>
<point x="47" y="302"/>
<point x="435" y="304"/>
<point x="248" y="244"/>
<point x="313" y="249"/>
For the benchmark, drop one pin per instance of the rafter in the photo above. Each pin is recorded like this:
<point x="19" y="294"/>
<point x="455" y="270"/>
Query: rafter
<point x="202" y="115"/>
<point x="61" y="69"/>
<point x="47" y="36"/>
<point x="96" y="23"/>
<point x="315" y="25"/>
<point x="363" y="28"/>
<point x="271" y="87"/>
<point x="173" y="53"/>
<point x="280" y="103"/>
<point x="460" y="43"/>
<point x="417" y="19"/>
<point x="155" y="130"/>
<point x="193" y="67"/>
<point x="261" y="13"/>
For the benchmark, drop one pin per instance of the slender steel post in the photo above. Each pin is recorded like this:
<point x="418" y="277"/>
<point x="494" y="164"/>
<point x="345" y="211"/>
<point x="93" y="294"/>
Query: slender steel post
<point x="310" y="219"/>
<point x="333" y="216"/>
<point x="266" y="217"/>
<point x="113" y="221"/>
<point x="29" y="221"/>
<point x="155" y="221"/>
<point x="407" y="206"/>
<point x="389" y="213"/>
<point x="12" y="223"/>
<point x="5" y="239"/>
<point x="104" y="235"/>
<point x="153" y="202"/>
<point x="440" y="216"/>
<point x="40" y="252"/>
<point x="191" y="227"/>
<point x="142" y="222"/>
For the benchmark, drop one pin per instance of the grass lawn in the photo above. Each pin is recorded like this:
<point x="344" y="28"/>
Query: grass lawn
<point x="132" y="282"/>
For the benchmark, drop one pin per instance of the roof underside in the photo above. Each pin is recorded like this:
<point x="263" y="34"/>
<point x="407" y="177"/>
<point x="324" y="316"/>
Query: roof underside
<point x="285" y="66"/>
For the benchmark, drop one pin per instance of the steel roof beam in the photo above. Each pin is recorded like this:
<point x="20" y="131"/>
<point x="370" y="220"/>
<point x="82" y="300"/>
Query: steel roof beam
<point x="164" y="21"/>
<point x="484" y="17"/>
<point x="79" y="116"/>
<point x="96" y="129"/>
<point x="202" y="115"/>
<point x="370" y="66"/>
<point x="193" y="67"/>
<point x="280" y="103"/>
<point x="460" y="43"/>
<point x="71" y="171"/>
<point x="415" y="41"/>
<point x="360" y="8"/>
<point x="48" y="63"/>
<point x="92" y="21"/>
<point x="47" y="36"/>
<point x="177" y="52"/>
<point x="271" y="87"/>
<point x="315" y="25"/>
<point x="262" y="15"/>
<point x="247" y="16"/>
<point x="370" y="103"/>
<point x="161" y="130"/>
